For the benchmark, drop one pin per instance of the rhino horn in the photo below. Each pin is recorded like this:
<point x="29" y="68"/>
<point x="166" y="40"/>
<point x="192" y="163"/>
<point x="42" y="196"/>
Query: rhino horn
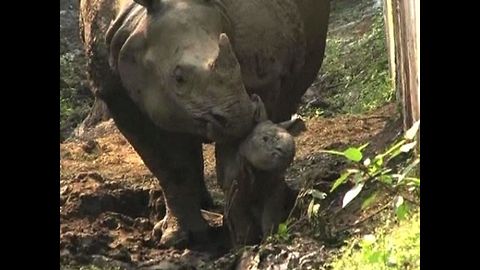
<point x="226" y="60"/>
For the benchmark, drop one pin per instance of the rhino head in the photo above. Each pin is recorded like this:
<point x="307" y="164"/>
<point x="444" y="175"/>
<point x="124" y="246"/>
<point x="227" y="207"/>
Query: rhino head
<point x="178" y="65"/>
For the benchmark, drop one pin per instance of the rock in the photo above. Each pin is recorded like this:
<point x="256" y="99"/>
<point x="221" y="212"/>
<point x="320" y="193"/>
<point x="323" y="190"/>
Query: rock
<point x="90" y="146"/>
<point x="143" y="224"/>
<point x="121" y="254"/>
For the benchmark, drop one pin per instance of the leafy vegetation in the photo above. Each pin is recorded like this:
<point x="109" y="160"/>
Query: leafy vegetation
<point x="395" y="242"/>
<point x="377" y="169"/>
<point x="391" y="246"/>
<point x="397" y="248"/>
<point x="75" y="99"/>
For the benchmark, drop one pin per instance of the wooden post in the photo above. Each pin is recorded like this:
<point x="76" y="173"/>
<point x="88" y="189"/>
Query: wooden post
<point x="402" y="20"/>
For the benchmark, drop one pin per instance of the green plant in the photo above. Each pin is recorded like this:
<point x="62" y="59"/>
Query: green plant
<point x="311" y="112"/>
<point x="283" y="232"/>
<point x="376" y="169"/>
<point x="387" y="248"/>
<point x="74" y="103"/>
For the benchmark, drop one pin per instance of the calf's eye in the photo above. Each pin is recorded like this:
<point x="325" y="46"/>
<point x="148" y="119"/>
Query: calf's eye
<point x="179" y="75"/>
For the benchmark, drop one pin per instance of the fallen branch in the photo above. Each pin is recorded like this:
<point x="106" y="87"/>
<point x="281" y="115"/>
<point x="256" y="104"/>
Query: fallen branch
<point x="345" y="228"/>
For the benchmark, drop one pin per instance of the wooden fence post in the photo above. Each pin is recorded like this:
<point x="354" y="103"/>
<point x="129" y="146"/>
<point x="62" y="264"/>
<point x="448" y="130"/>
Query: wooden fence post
<point x="402" y="21"/>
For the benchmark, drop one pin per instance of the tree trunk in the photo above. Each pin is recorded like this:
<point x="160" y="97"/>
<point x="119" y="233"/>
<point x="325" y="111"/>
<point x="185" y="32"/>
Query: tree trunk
<point x="98" y="114"/>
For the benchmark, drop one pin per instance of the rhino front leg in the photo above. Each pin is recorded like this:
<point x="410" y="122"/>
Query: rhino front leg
<point x="176" y="160"/>
<point x="184" y="192"/>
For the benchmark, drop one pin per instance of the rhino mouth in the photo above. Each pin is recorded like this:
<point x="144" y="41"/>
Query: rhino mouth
<point x="218" y="120"/>
<point x="213" y="124"/>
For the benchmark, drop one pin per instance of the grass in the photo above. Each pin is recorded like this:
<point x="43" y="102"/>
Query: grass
<point x="354" y="77"/>
<point x="389" y="248"/>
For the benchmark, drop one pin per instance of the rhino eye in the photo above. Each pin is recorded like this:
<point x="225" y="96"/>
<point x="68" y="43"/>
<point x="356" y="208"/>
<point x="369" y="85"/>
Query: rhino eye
<point x="265" y="138"/>
<point x="179" y="75"/>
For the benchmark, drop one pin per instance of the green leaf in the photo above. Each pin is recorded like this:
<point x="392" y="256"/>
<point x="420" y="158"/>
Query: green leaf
<point x="393" y="148"/>
<point x="395" y="153"/>
<point x="353" y="154"/>
<point x="375" y="257"/>
<point x="401" y="212"/>
<point x="376" y="164"/>
<point x="369" y="201"/>
<point x="413" y="181"/>
<point x="378" y="160"/>
<point x="341" y="180"/>
<point x="351" y="194"/>
<point x="401" y="208"/>
<point x="387" y="179"/>
<point x="282" y="229"/>
<point x="410" y="134"/>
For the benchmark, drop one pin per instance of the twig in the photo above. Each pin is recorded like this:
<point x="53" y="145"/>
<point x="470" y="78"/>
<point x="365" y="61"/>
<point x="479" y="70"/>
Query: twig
<point x="392" y="192"/>
<point x="373" y="117"/>
<point x="365" y="219"/>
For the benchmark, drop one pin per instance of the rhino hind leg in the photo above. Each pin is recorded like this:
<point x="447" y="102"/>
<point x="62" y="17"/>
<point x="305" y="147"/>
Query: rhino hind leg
<point x="176" y="160"/>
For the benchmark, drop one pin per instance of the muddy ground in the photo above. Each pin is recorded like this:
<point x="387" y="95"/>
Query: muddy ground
<point x="110" y="201"/>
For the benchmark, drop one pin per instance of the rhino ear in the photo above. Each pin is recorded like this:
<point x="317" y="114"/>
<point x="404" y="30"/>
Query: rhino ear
<point x="259" y="109"/>
<point x="226" y="59"/>
<point x="294" y="126"/>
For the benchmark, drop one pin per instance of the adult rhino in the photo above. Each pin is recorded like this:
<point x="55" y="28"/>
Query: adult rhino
<point x="177" y="73"/>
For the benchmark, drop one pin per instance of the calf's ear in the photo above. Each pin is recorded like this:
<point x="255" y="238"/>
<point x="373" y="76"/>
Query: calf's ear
<point x="294" y="126"/>
<point x="259" y="109"/>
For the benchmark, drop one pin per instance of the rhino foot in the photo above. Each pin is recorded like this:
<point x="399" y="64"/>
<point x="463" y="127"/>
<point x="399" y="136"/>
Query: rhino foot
<point x="169" y="233"/>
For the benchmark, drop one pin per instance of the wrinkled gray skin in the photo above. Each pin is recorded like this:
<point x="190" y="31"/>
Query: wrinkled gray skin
<point x="258" y="199"/>
<point x="178" y="73"/>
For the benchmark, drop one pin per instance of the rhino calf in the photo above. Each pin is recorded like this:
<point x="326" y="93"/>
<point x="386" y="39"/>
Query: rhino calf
<point x="252" y="177"/>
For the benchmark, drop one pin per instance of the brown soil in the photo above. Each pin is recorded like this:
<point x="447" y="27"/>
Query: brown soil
<point x="110" y="201"/>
